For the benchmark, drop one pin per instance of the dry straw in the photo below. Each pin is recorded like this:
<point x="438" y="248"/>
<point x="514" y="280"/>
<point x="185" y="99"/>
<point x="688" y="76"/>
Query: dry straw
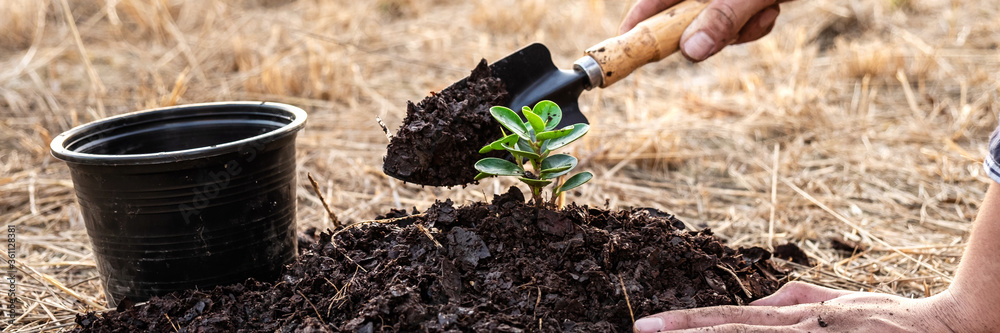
<point x="857" y="120"/>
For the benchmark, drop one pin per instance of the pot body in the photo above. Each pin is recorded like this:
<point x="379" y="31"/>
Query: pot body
<point x="187" y="197"/>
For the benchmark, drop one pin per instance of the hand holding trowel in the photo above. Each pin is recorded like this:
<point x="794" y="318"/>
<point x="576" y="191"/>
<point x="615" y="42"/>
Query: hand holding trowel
<point x="439" y="139"/>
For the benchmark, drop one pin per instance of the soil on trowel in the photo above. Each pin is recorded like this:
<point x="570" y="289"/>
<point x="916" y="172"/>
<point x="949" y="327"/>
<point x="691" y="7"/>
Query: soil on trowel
<point x="497" y="267"/>
<point x="439" y="140"/>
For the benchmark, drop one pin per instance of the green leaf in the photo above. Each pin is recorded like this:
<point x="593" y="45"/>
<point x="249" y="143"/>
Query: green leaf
<point x="555" y="134"/>
<point x="578" y="131"/>
<point x="536" y="122"/>
<point x="550" y="113"/>
<point x="499" y="144"/>
<point x="557" y="161"/>
<point x="576" y="180"/>
<point x="535" y="182"/>
<point x="482" y="175"/>
<point x="524" y="154"/>
<point x="510" y="120"/>
<point x="555" y="172"/>
<point x="499" y="167"/>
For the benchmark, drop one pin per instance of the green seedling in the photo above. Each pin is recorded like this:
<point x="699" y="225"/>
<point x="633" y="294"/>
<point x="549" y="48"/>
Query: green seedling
<point x="532" y="142"/>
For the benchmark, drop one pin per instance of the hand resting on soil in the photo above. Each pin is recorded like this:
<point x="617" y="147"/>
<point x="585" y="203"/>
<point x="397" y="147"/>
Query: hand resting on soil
<point x="968" y="305"/>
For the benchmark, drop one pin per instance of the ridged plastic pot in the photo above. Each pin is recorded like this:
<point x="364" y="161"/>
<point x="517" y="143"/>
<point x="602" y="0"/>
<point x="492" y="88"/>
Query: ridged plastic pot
<point x="186" y="197"/>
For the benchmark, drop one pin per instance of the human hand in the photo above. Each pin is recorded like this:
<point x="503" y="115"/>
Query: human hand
<point x="722" y="23"/>
<point x="800" y="307"/>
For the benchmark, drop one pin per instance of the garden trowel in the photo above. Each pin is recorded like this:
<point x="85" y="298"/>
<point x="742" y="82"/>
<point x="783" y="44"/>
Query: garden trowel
<point x="530" y="76"/>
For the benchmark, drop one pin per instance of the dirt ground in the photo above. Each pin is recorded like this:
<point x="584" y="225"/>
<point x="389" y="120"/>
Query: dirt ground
<point x="853" y="122"/>
<point x="497" y="267"/>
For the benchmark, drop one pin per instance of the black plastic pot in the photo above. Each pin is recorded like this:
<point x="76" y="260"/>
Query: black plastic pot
<point x="187" y="197"/>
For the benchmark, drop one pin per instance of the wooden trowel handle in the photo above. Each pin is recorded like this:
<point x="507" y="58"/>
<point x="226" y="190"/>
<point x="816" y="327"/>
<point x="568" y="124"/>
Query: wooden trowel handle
<point x="650" y="41"/>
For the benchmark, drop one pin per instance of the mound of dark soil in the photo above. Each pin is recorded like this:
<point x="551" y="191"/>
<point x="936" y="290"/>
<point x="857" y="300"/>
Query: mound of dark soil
<point x="439" y="140"/>
<point x="496" y="267"/>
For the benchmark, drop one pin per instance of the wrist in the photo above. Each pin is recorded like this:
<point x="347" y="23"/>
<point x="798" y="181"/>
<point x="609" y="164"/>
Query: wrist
<point x="963" y="309"/>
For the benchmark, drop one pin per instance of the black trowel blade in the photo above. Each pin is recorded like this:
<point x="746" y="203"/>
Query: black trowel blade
<point x="531" y="77"/>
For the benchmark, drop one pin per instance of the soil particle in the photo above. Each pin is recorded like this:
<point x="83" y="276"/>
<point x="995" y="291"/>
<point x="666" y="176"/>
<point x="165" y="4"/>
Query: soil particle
<point x="793" y="253"/>
<point x="497" y="271"/>
<point x="439" y="140"/>
<point x="468" y="247"/>
<point x="821" y="322"/>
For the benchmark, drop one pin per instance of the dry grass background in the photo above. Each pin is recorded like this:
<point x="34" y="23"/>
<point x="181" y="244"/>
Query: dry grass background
<point x="861" y="120"/>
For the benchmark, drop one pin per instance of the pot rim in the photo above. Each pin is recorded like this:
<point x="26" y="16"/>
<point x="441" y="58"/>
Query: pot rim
<point x="59" y="150"/>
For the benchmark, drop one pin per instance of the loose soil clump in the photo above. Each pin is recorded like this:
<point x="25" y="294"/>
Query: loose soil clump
<point x="499" y="267"/>
<point x="439" y="140"/>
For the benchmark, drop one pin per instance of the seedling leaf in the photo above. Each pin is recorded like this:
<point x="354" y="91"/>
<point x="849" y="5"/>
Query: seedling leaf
<point x="535" y="121"/>
<point x="499" y="144"/>
<point x="531" y="141"/>
<point x="555" y="172"/>
<point x="550" y="113"/>
<point x="554" y="134"/>
<point x="555" y="162"/>
<point x="576" y="180"/>
<point x="510" y="120"/>
<point x="535" y="182"/>
<point x="578" y="131"/>
<point x="499" y="167"/>
<point x="524" y="154"/>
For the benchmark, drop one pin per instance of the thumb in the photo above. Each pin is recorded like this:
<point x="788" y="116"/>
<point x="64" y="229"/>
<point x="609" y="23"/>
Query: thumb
<point x="718" y="25"/>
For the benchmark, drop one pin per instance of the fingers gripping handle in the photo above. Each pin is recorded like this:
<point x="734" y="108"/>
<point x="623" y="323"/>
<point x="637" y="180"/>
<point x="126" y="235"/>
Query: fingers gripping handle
<point x="650" y="41"/>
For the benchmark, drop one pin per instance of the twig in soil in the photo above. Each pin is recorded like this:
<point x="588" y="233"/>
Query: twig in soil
<point x="339" y="296"/>
<point x="388" y="136"/>
<point x="539" y="299"/>
<point x="627" y="301"/>
<point x="738" y="281"/>
<point x="345" y="254"/>
<point x="428" y="233"/>
<point x="333" y="217"/>
<point x="313" y="306"/>
<point x="383" y="221"/>
<point x="172" y="325"/>
<point x="774" y="197"/>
